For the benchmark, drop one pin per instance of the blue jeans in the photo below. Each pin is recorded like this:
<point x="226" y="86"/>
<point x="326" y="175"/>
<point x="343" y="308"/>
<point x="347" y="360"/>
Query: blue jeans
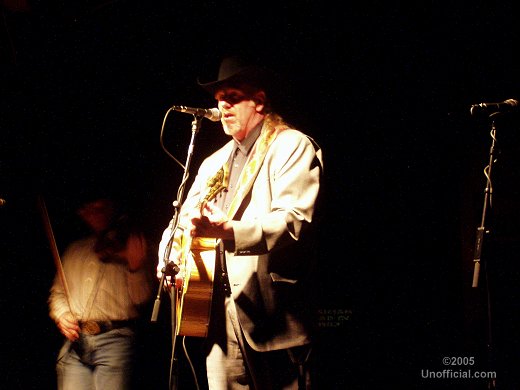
<point x="103" y="361"/>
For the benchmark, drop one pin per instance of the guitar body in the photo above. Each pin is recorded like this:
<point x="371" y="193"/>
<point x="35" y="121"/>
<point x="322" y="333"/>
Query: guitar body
<point x="197" y="267"/>
<point x="196" y="286"/>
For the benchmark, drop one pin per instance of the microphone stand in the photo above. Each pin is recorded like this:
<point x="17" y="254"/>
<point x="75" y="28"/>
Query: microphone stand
<point x="488" y="193"/>
<point x="170" y="268"/>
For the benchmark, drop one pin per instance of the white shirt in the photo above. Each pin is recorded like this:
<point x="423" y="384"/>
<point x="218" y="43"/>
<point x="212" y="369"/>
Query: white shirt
<point x="98" y="291"/>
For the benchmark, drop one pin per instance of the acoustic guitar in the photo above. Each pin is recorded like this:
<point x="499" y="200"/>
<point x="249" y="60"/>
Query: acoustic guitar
<point x="197" y="266"/>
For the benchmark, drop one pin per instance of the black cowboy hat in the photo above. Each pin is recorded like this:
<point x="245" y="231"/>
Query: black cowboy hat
<point x="236" y="70"/>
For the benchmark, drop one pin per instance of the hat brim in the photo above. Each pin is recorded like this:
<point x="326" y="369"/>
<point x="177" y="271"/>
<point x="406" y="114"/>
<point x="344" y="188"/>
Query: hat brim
<point x="252" y="75"/>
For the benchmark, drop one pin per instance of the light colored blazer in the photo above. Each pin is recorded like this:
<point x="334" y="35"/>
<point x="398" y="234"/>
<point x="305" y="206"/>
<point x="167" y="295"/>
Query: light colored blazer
<point x="266" y="266"/>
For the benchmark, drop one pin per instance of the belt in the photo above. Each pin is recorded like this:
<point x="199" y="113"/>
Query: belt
<point x="96" y="327"/>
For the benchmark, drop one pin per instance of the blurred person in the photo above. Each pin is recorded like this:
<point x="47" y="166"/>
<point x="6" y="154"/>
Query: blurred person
<point x="256" y="196"/>
<point x="109" y="282"/>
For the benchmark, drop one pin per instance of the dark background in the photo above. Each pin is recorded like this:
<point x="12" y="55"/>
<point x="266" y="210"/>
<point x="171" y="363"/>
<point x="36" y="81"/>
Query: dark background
<point x="384" y="89"/>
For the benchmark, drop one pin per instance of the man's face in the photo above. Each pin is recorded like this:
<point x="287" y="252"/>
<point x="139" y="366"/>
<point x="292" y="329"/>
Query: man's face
<point x="97" y="214"/>
<point x="241" y="112"/>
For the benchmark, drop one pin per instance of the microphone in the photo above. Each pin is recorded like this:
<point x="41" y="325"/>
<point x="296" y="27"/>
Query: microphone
<point x="505" y="106"/>
<point x="213" y="114"/>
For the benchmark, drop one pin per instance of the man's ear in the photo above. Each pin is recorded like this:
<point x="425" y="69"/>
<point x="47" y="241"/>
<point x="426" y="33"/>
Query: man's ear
<point x="259" y="99"/>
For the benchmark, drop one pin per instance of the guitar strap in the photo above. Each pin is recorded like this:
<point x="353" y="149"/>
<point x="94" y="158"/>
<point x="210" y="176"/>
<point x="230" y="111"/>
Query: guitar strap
<point x="272" y="126"/>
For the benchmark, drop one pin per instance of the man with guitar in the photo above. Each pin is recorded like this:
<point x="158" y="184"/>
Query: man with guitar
<point x="255" y="199"/>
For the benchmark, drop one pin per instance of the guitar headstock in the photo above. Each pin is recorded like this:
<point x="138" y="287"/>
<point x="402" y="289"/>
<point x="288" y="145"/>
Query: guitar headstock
<point x="216" y="184"/>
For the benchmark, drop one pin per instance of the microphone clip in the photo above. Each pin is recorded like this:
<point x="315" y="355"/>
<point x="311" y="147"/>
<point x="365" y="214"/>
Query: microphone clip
<point x="171" y="269"/>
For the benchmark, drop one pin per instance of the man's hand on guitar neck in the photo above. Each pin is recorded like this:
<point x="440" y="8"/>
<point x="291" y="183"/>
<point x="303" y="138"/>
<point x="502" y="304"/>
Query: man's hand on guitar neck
<point x="211" y="222"/>
<point x="208" y="222"/>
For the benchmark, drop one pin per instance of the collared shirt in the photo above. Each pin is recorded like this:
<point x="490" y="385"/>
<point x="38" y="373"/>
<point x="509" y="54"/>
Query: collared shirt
<point x="98" y="291"/>
<point x="236" y="163"/>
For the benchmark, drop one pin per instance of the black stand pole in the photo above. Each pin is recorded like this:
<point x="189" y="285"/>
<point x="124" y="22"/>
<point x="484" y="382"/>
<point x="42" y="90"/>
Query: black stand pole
<point x="170" y="268"/>
<point x="488" y="194"/>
